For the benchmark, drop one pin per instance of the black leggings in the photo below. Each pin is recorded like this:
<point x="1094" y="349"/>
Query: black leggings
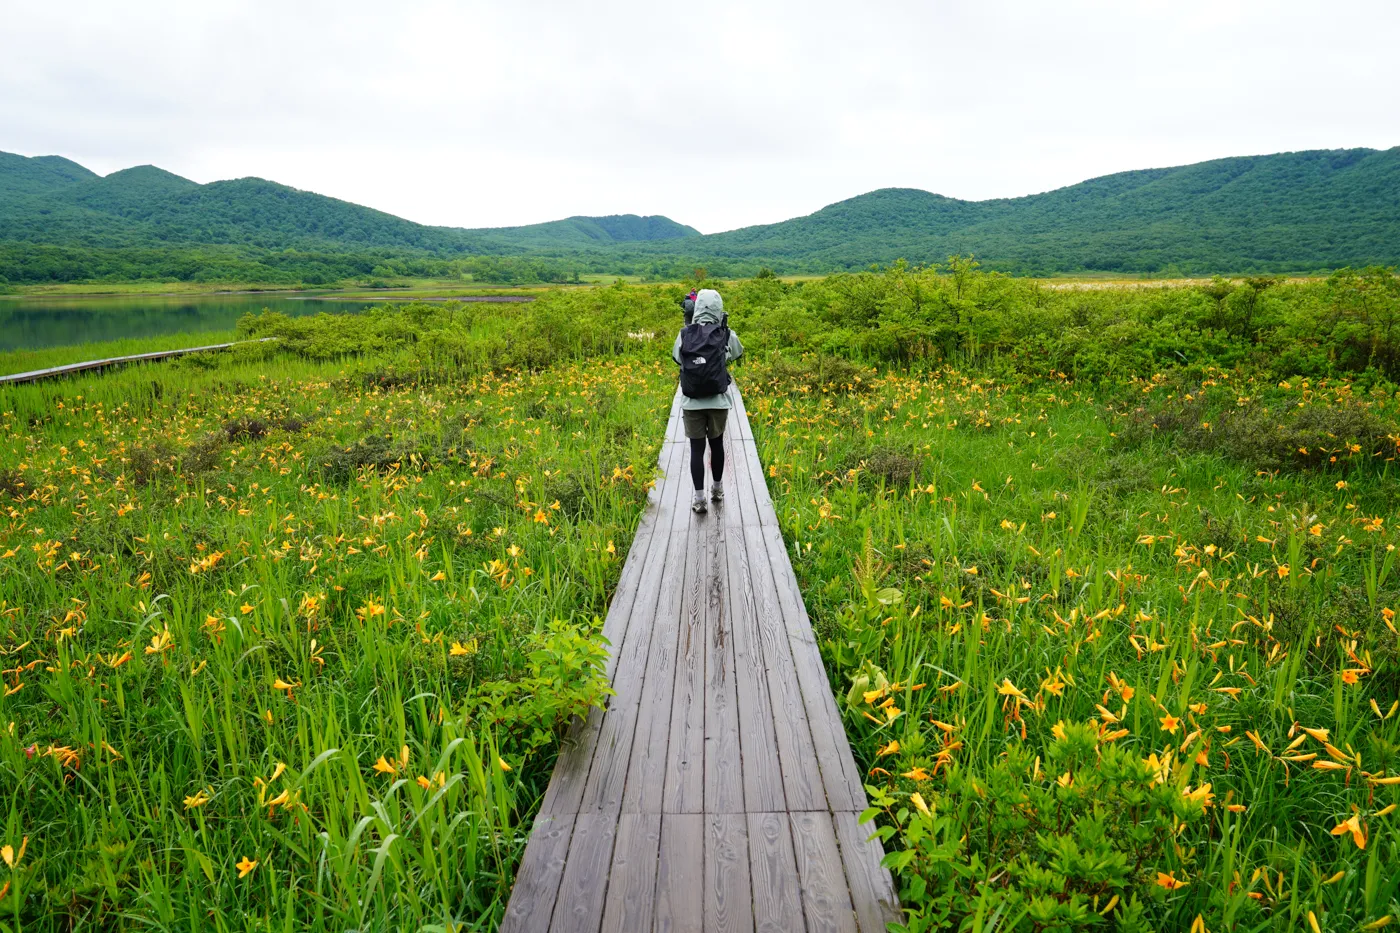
<point x="697" y="459"/>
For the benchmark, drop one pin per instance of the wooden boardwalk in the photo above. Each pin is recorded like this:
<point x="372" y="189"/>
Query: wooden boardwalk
<point x="717" y="792"/>
<point x="34" y="375"/>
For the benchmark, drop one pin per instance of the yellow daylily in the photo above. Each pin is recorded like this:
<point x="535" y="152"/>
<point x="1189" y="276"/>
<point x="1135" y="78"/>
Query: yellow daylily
<point x="7" y="852"/>
<point x="1008" y="689"/>
<point x="1168" y="880"/>
<point x="1353" y="826"/>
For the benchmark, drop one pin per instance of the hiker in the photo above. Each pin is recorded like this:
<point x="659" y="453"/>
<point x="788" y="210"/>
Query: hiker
<point x="688" y="307"/>
<point x="703" y="349"/>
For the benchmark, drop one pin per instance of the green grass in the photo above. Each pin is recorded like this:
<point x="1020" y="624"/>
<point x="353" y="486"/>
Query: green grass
<point x="1104" y="582"/>
<point x="422" y="570"/>
<point x="956" y="533"/>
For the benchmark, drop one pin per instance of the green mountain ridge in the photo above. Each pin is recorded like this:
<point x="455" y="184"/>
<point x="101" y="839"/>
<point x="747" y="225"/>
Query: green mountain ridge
<point x="20" y="176"/>
<point x="49" y="200"/>
<point x="593" y="231"/>
<point x="1293" y="211"/>
<point x="1316" y="209"/>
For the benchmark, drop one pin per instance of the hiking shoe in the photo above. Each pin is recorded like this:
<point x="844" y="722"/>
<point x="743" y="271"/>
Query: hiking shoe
<point x="698" y="504"/>
<point x="716" y="492"/>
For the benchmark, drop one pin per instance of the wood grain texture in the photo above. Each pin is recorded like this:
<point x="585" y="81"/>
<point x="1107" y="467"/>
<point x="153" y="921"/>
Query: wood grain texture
<point x="758" y="743"/>
<point x="632" y="876"/>
<point x="612" y="755"/>
<point x="684" y="791"/>
<point x="826" y="902"/>
<point x="728" y="897"/>
<point x="680" y="874"/>
<point x="537" y="882"/>
<point x="844" y="789"/>
<point x="802" y="779"/>
<point x="871" y="887"/>
<point x="646" y="777"/>
<point x="777" y="890"/>
<point x="724" y="784"/>
<point x="579" y="905"/>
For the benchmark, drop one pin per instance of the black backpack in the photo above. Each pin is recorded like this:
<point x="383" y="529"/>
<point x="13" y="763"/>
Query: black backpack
<point x="703" y="370"/>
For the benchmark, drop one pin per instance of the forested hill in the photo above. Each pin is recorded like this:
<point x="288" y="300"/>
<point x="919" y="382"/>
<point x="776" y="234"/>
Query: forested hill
<point x="590" y="232"/>
<point x="50" y="200"/>
<point x="1297" y="210"/>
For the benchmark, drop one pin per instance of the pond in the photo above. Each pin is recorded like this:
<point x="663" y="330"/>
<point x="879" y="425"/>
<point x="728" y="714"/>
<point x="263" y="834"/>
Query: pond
<point x="32" y="323"/>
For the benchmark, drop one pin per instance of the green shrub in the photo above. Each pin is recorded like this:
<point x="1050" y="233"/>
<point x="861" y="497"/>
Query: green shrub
<point x="1281" y="436"/>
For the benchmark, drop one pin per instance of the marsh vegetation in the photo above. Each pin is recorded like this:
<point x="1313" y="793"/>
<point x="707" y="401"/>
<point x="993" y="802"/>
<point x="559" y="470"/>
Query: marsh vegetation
<point x="1105" y="582"/>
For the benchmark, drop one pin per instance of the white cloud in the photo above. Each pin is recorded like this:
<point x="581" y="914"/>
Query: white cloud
<point x="717" y="114"/>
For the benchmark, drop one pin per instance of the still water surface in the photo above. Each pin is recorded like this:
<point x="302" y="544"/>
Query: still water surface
<point x="35" y="323"/>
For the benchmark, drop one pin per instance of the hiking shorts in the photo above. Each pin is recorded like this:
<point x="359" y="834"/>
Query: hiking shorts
<point x="705" y="422"/>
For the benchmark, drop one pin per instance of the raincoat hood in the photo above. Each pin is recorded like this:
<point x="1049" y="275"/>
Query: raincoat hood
<point x="709" y="307"/>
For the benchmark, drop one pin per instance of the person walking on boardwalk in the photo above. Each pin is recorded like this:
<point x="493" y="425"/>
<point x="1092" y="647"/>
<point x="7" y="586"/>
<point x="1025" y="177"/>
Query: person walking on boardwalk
<point x="704" y="349"/>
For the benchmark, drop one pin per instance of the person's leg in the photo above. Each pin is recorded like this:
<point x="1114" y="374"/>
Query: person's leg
<point x="695" y="431"/>
<point x="697" y="462"/>
<point x="719" y="418"/>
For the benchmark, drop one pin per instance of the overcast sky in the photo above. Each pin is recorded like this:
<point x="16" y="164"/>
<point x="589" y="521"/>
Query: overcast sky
<point x="719" y="115"/>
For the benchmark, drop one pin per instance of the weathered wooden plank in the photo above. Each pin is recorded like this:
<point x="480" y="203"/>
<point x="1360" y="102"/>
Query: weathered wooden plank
<point x="758" y="743"/>
<point x="731" y="510"/>
<point x="826" y="902"/>
<point x="724" y="785"/>
<point x="802" y="778"/>
<point x="777" y="892"/>
<point x="646" y="775"/>
<point x="758" y="487"/>
<point x="537" y="881"/>
<point x="576" y="753"/>
<point x="685" y="751"/>
<point x="844" y="790"/>
<point x="35" y="375"/>
<point x="607" y="778"/>
<point x="676" y="512"/>
<point x="870" y="884"/>
<point x="579" y="906"/>
<point x="628" y="585"/>
<point x="675" y="428"/>
<point x="632" y="876"/>
<point x="674" y="483"/>
<point x="571" y="767"/>
<point x="747" y="477"/>
<point x="728" y="897"/>
<point x="676" y="515"/>
<point x="740" y="415"/>
<point x="680" y="874"/>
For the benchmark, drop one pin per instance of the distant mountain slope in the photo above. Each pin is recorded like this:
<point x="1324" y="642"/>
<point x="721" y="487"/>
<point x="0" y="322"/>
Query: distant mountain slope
<point x="1315" y="209"/>
<point x="20" y="176"/>
<point x="53" y="201"/>
<point x="590" y="232"/>
<point x="1292" y="211"/>
<point x="148" y="206"/>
